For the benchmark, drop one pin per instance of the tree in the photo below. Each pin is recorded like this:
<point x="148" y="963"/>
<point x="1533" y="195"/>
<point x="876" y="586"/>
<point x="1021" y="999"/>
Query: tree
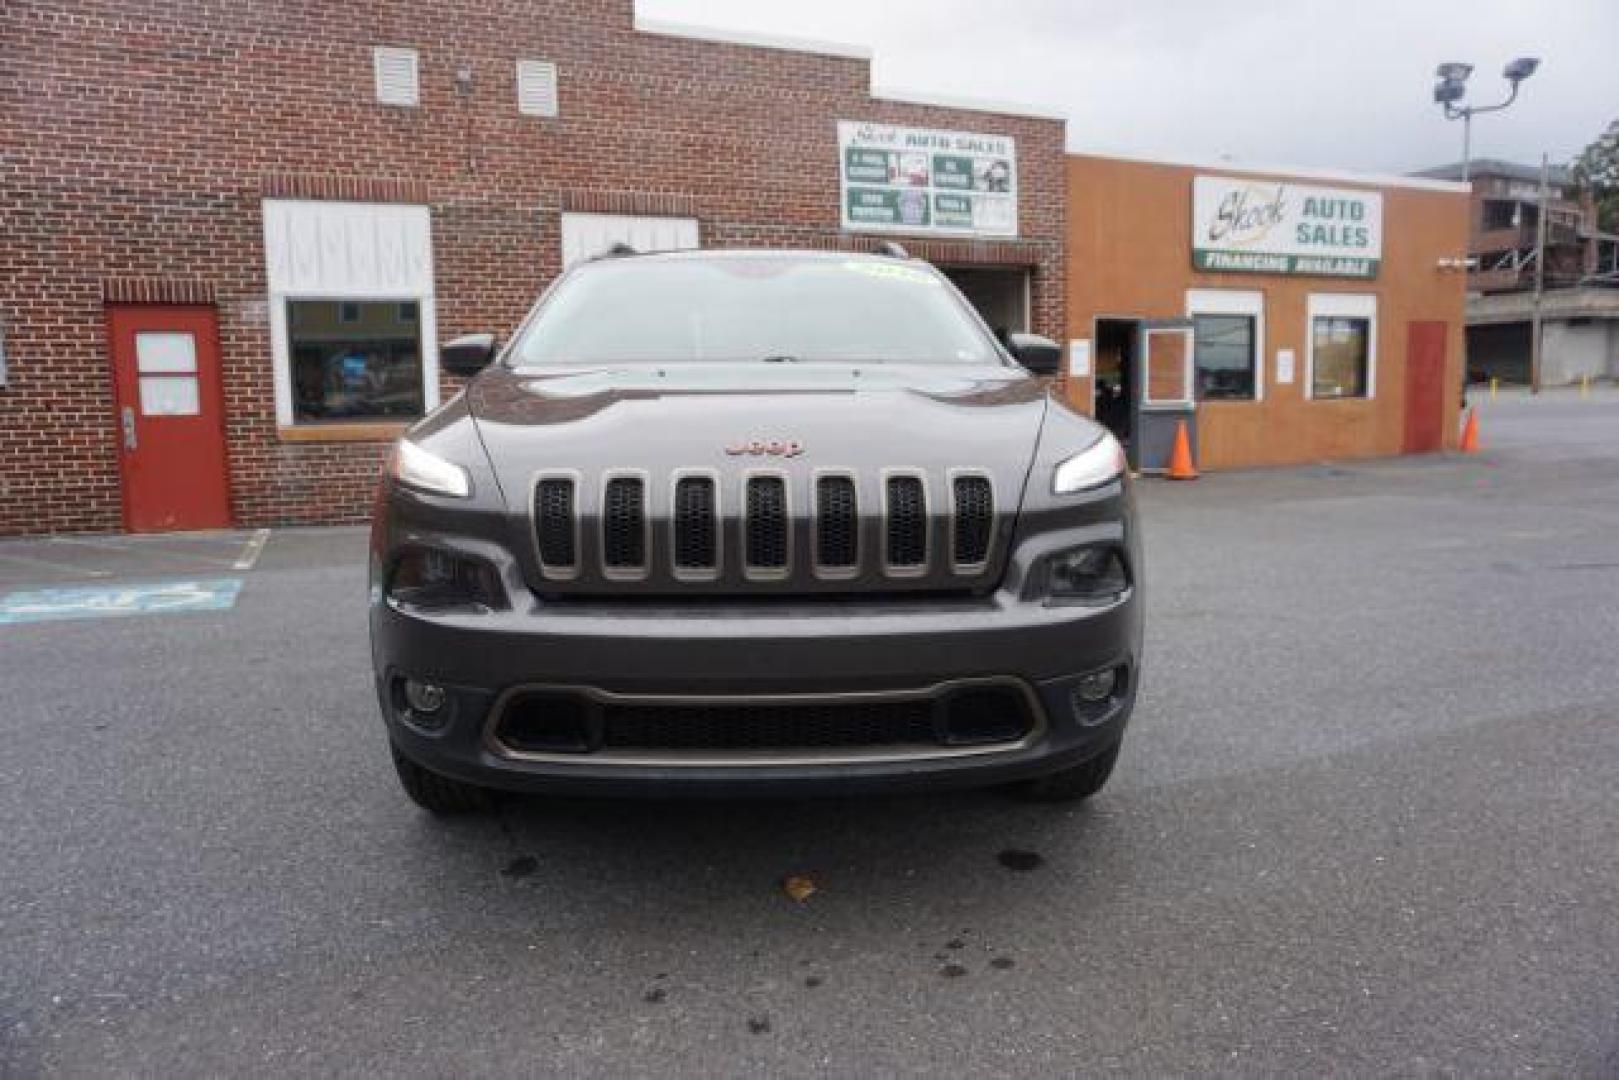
<point x="1597" y="170"/>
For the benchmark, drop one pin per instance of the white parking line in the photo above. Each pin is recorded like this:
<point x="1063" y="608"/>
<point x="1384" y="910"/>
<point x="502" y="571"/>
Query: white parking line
<point x="124" y="549"/>
<point x="252" y="550"/>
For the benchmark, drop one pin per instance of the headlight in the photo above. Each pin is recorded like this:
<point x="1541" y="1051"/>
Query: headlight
<point x="1102" y="463"/>
<point x="423" y="471"/>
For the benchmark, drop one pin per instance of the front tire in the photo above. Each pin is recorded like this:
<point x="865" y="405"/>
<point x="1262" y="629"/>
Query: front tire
<point x="440" y="794"/>
<point x="1074" y="783"/>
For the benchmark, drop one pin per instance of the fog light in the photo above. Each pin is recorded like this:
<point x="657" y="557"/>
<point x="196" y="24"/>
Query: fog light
<point x="1095" y="688"/>
<point x="424" y="699"/>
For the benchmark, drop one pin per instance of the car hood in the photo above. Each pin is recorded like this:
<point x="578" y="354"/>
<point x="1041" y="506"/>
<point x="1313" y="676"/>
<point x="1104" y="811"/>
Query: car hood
<point x="662" y="418"/>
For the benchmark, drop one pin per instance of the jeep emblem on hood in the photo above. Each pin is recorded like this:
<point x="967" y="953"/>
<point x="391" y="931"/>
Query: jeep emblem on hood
<point x="773" y="447"/>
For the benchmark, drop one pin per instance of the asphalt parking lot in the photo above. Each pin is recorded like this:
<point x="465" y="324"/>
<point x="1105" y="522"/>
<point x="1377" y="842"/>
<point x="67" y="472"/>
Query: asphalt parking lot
<point x="1367" y="822"/>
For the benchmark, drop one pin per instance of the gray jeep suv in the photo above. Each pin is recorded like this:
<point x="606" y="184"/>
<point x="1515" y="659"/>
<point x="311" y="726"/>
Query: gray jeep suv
<point x="744" y="522"/>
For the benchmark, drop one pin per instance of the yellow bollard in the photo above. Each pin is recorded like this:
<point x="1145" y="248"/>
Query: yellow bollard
<point x="1495" y="384"/>
<point x="1585" y="386"/>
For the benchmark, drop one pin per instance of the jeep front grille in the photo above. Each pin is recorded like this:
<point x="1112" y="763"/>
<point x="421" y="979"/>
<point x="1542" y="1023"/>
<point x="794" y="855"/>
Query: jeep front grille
<point x="907" y="547"/>
<point x="766" y="525"/>
<point x="973" y="523"/>
<point x="624" y="525"/>
<point x="555" y="527"/>
<point x="837" y="524"/>
<point x="696" y="525"/>
<point x="912" y="528"/>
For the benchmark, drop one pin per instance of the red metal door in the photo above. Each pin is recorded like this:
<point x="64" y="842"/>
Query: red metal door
<point x="170" y="419"/>
<point x="1425" y="387"/>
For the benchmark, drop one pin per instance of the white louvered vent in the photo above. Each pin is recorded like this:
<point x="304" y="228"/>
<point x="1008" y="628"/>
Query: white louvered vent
<point x="536" y="88"/>
<point x="397" y="82"/>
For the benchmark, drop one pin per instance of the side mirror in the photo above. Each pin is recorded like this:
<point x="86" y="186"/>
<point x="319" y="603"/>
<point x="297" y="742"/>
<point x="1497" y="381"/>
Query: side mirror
<point x="467" y="355"/>
<point x="1039" y="354"/>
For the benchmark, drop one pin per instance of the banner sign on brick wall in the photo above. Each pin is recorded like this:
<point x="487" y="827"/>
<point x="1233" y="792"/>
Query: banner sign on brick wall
<point x="1275" y="227"/>
<point x="918" y="180"/>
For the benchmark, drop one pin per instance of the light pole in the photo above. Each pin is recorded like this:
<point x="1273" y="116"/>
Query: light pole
<point x="1452" y="86"/>
<point x="1448" y="93"/>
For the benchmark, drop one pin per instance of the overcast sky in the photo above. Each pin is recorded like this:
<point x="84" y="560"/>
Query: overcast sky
<point x="1328" y="83"/>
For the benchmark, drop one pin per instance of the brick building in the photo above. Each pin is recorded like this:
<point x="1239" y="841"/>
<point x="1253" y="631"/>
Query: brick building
<point x="1580" y="308"/>
<point x="1281" y="315"/>
<point x="234" y="232"/>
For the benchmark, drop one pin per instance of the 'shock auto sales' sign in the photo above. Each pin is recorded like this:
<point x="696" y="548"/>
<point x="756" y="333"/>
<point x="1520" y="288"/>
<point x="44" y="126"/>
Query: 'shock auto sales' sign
<point x="916" y="180"/>
<point x="1274" y="227"/>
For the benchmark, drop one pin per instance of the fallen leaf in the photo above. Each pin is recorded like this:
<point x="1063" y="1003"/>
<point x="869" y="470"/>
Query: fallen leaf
<point x="798" y="887"/>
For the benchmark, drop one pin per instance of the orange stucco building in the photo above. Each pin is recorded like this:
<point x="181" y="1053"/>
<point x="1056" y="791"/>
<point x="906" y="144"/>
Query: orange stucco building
<point x="1284" y="317"/>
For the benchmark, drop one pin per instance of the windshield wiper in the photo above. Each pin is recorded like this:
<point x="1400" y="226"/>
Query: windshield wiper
<point x="780" y="358"/>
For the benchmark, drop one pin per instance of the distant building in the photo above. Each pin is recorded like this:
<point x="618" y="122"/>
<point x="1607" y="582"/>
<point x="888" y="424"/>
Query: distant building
<point x="1580" y="308"/>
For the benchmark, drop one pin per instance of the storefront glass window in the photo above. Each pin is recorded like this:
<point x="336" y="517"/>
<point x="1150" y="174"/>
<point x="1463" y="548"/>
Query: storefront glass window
<point x="354" y="360"/>
<point x="1224" y="357"/>
<point x="1341" y="349"/>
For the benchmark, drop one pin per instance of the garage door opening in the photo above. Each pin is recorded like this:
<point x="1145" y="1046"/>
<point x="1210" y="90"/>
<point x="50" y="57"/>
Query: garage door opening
<point x="1001" y="296"/>
<point x="1498" y="351"/>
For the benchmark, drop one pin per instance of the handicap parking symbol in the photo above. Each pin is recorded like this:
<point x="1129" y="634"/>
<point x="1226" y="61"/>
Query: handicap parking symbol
<point x="104" y="601"/>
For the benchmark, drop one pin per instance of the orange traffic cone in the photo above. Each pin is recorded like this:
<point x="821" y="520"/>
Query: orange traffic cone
<point x="1470" y="433"/>
<point x="1180" y="459"/>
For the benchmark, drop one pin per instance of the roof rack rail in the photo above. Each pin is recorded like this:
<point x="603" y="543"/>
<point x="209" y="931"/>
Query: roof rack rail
<point x="891" y="249"/>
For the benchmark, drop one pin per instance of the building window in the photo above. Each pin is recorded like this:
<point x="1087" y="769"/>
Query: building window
<point x="1500" y="213"/>
<point x="1228" y="343"/>
<point x="1224" y="357"/>
<point x="369" y="368"/>
<point x="352" y="321"/>
<point x="1342" y="344"/>
<point x="396" y="76"/>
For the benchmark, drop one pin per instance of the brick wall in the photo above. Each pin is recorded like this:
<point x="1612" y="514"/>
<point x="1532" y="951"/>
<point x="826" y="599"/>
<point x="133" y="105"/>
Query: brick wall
<point x="139" y="137"/>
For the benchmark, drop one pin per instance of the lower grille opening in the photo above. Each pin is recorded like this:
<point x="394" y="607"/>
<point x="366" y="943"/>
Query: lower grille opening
<point x="547" y="723"/>
<point x="573" y="721"/>
<point x="745" y="726"/>
<point x="985" y="714"/>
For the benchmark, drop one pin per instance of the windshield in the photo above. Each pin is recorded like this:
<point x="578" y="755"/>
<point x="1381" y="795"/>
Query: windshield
<point x="754" y="309"/>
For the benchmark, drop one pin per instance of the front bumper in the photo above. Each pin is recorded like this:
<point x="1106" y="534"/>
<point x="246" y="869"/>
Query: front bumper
<point x="738" y="652"/>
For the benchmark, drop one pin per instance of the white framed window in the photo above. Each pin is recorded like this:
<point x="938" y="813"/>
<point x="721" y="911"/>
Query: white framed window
<point x="1229" y="347"/>
<point x="536" y="88"/>
<point x="1166" y="366"/>
<point x="1340" y="346"/>
<point x="397" y="76"/>
<point x="352" y="319"/>
<point x="584" y="236"/>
